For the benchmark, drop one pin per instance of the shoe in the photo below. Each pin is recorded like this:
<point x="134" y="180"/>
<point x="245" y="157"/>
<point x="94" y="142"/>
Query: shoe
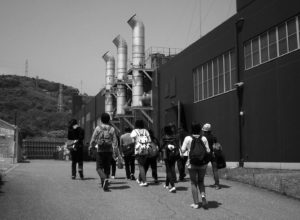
<point x="173" y="190"/>
<point x="132" y="177"/>
<point x="217" y="187"/>
<point x="113" y="177"/>
<point x="156" y="181"/>
<point x="194" y="206"/>
<point x="204" y="203"/>
<point x="73" y="177"/>
<point x="166" y="187"/>
<point x="137" y="180"/>
<point x="105" y="185"/>
<point x="143" y="184"/>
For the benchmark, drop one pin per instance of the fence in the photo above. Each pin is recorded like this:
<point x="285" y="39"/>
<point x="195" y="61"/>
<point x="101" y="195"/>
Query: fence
<point x="41" y="149"/>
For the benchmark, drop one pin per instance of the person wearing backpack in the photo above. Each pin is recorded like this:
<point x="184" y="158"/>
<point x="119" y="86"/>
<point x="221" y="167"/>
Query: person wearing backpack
<point x="127" y="152"/>
<point x="151" y="160"/>
<point x="211" y="141"/>
<point x="75" y="140"/>
<point x="142" y="139"/>
<point x="171" y="153"/>
<point x="199" y="153"/>
<point x="104" y="139"/>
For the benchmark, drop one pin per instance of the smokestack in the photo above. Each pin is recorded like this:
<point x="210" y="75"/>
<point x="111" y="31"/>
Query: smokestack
<point x="109" y="76"/>
<point x="121" y="73"/>
<point x="138" y="59"/>
<point x="110" y="70"/>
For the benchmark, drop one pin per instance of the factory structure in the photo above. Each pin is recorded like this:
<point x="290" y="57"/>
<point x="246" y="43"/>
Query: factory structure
<point x="242" y="77"/>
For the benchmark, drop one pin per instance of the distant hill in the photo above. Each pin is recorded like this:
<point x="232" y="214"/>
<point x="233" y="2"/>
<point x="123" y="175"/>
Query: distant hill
<point x="32" y="104"/>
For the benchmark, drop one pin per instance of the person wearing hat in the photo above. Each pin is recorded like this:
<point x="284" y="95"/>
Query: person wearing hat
<point x="75" y="145"/>
<point x="206" y="129"/>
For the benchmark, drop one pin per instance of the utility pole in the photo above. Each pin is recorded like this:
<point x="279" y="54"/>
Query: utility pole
<point x="60" y="99"/>
<point x="26" y="67"/>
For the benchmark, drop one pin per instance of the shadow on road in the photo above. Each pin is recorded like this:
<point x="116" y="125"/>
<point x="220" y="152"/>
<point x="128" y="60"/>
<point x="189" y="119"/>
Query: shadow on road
<point x="181" y="188"/>
<point x="221" y="186"/>
<point x="89" y="178"/>
<point x="1" y="184"/>
<point x="118" y="187"/>
<point x="113" y="183"/>
<point x="213" y="204"/>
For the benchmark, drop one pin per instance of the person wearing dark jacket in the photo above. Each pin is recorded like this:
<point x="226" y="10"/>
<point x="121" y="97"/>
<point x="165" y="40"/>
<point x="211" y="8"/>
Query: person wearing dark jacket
<point x="211" y="140"/>
<point x="75" y="144"/>
<point x="151" y="160"/>
<point x="170" y="145"/>
<point x="104" y="139"/>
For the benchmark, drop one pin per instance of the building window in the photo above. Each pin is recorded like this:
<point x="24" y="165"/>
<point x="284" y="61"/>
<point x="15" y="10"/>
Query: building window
<point x="221" y="74"/>
<point x="247" y="55"/>
<point x="200" y="91"/>
<point x="210" y="79"/>
<point x="277" y="41"/>
<point x="272" y="43"/>
<point x="196" y="86"/>
<point x="227" y="72"/>
<point x="292" y="35"/>
<point x="255" y="52"/>
<point x="264" y="49"/>
<point x="205" y="84"/>
<point x="282" y="39"/>
<point x="214" y="77"/>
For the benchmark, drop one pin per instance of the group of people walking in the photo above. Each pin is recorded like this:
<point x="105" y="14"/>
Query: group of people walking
<point x="194" y="151"/>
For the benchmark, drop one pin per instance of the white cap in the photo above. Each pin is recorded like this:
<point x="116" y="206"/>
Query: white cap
<point x="206" y="127"/>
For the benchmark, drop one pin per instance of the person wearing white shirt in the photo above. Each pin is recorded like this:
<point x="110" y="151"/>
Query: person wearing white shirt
<point x="197" y="173"/>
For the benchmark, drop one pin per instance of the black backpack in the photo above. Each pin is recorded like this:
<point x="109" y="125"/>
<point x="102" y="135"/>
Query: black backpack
<point x="173" y="154"/>
<point x="198" y="154"/>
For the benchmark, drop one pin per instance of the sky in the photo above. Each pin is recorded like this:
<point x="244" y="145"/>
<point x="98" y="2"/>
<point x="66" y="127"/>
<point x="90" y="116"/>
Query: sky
<point x="64" y="40"/>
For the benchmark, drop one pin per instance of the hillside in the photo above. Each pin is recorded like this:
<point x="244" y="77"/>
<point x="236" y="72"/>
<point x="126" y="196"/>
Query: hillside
<point x="31" y="103"/>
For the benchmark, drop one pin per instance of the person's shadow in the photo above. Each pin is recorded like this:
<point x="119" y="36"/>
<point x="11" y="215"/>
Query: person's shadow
<point x="212" y="204"/>
<point x="88" y="178"/>
<point x="118" y="187"/>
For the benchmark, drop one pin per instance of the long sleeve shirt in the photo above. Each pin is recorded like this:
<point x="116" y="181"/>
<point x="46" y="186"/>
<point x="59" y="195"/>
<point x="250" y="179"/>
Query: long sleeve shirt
<point x="95" y="139"/>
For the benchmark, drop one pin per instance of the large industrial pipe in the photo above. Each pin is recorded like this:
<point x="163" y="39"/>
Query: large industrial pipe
<point x="109" y="76"/>
<point x="110" y="70"/>
<point x="138" y="59"/>
<point x="121" y="73"/>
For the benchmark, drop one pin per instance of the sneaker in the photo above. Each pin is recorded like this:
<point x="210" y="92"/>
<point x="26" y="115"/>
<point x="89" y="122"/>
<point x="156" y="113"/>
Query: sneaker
<point x="217" y="187"/>
<point x="167" y="187"/>
<point x="143" y="184"/>
<point x="204" y="203"/>
<point x="137" y="180"/>
<point x="113" y="177"/>
<point x="156" y="181"/>
<point x="105" y="185"/>
<point x="194" y="206"/>
<point x="73" y="177"/>
<point x="173" y="189"/>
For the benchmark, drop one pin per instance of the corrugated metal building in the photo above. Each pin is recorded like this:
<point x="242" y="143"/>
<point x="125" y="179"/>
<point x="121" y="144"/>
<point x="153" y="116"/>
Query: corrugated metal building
<point x="241" y="77"/>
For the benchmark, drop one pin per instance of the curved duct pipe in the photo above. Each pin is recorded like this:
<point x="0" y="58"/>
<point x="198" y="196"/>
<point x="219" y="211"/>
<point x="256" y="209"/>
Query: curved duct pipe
<point x="110" y="70"/>
<point x="109" y="76"/>
<point x="121" y="57"/>
<point x="121" y="73"/>
<point x="138" y="59"/>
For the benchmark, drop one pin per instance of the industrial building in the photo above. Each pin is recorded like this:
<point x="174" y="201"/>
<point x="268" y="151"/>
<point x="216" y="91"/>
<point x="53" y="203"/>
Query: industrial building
<point x="241" y="77"/>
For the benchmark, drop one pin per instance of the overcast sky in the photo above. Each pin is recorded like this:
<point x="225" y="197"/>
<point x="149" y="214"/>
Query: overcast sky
<point x="64" y="40"/>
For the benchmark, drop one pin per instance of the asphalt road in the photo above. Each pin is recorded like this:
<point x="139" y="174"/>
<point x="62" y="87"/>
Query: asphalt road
<point x="43" y="189"/>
